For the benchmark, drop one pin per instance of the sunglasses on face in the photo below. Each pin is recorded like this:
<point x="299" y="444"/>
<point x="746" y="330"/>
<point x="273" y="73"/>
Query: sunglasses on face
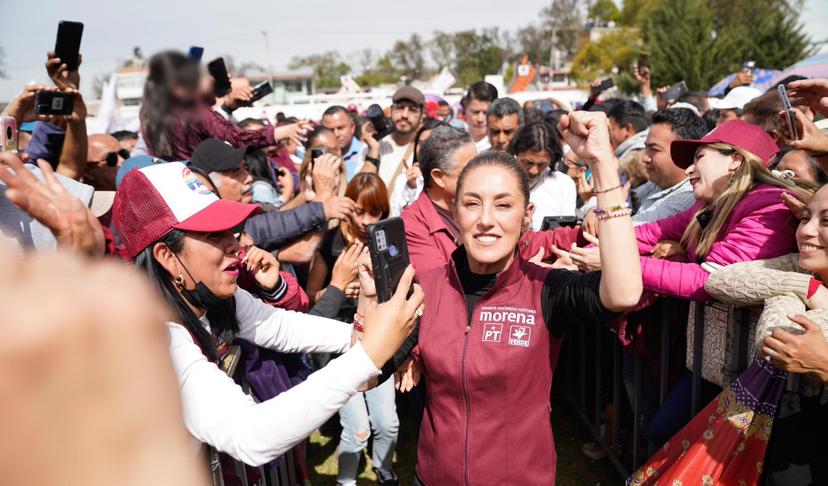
<point x="112" y="157"/>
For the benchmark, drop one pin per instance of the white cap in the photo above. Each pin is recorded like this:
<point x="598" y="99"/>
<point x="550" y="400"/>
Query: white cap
<point x="737" y="98"/>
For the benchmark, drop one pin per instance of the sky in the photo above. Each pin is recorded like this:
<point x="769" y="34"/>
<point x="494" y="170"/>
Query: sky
<point x="113" y="28"/>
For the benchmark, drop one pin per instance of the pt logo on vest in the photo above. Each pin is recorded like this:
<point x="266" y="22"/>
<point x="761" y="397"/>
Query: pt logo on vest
<point x="520" y="336"/>
<point x="492" y="333"/>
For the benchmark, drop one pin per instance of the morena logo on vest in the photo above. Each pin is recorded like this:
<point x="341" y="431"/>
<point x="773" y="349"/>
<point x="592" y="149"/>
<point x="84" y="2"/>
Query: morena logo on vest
<point x="511" y="315"/>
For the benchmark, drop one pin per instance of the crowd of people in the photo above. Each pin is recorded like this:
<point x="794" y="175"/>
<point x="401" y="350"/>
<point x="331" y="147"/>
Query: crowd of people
<point x="249" y="240"/>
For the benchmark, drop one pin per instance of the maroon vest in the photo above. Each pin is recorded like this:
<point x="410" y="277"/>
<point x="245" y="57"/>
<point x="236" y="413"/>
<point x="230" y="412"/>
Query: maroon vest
<point x="486" y="418"/>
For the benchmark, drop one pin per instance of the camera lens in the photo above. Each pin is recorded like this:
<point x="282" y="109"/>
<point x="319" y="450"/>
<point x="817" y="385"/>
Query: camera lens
<point x="392" y="250"/>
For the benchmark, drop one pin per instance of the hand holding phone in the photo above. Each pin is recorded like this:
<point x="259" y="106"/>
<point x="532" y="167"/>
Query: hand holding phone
<point x="389" y="255"/>
<point x="67" y="43"/>
<point x="218" y="71"/>
<point x="790" y="117"/>
<point x="260" y="91"/>
<point x="54" y="103"/>
<point x="605" y="85"/>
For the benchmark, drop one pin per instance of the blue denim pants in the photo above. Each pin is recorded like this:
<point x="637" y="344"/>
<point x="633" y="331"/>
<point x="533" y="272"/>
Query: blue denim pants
<point x="372" y="412"/>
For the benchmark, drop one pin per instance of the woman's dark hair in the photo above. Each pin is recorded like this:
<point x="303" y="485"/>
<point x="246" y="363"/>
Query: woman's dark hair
<point x="220" y="320"/>
<point x="314" y="134"/>
<point x="537" y="137"/>
<point x="166" y="69"/>
<point x="496" y="158"/>
<point x="257" y="163"/>
<point x="428" y="124"/>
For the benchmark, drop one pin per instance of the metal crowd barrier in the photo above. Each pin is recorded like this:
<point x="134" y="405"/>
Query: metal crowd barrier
<point x="590" y="377"/>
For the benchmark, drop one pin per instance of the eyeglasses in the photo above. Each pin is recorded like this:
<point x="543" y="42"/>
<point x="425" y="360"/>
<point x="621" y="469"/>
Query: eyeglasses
<point x="403" y="106"/>
<point x="112" y="157"/>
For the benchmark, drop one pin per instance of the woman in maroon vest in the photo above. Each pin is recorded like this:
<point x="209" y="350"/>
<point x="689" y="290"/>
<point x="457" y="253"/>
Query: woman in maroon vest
<point x="493" y="322"/>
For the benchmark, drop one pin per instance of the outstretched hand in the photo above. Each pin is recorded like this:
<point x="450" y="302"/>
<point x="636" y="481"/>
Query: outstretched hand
<point x="72" y="223"/>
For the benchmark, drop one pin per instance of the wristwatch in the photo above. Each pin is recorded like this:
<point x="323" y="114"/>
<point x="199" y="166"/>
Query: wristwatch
<point x="373" y="160"/>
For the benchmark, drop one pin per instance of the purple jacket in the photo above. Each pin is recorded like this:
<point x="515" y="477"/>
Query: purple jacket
<point x="759" y="227"/>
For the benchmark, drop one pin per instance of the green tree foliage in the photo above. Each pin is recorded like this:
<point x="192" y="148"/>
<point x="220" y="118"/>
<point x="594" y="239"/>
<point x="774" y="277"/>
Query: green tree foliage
<point x="617" y="49"/>
<point x="408" y="57"/>
<point x="635" y="11"/>
<point x="701" y="42"/>
<point x="476" y="55"/>
<point x="383" y="72"/>
<point x="561" y="22"/>
<point x="605" y="10"/>
<point x="327" y="68"/>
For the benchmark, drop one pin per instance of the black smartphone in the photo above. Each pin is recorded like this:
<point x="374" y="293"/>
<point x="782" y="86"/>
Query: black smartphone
<point x="552" y="222"/>
<point x="790" y="117"/>
<point x="316" y="153"/>
<point x="643" y="60"/>
<point x="196" y="52"/>
<point x="389" y="255"/>
<point x="54" y="103"/>
<point x="218" y="71"/>
<point x="605" y="85"/>
<point x="676" y="91"/>
<point x="260" y="91"/>
<point x="67" y="44"/>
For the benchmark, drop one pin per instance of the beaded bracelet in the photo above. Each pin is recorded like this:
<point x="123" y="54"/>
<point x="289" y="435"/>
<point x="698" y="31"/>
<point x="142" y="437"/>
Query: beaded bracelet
<point x="615" y="214"/>
<point x="611" y="209"/>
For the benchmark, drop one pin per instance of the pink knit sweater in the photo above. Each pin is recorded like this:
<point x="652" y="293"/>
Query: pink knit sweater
<point x="759" y="227"/>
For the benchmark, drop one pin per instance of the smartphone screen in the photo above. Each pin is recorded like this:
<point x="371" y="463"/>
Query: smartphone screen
<point x="67" y="44"/>
<point x="218" y="71"/>
<point x="389" y="255"/>
<point x="790" y="118"/>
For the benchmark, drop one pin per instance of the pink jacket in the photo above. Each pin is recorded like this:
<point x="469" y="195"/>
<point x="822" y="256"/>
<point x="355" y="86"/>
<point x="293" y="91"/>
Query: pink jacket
<point x="759" y="227"/>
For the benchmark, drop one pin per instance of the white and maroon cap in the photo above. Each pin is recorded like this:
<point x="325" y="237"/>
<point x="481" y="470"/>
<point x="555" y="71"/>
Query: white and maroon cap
<point x="156" y="199"/>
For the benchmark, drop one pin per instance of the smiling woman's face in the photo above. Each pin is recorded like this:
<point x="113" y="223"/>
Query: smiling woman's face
<point x="710" y="173"/>
<point x="491" y="212"/>
<point x="812" y="235"/>
<point x="211" y="258"/>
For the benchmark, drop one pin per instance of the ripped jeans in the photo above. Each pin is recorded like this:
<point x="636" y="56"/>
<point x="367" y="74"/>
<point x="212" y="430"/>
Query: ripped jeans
<point x="357" y="426"/>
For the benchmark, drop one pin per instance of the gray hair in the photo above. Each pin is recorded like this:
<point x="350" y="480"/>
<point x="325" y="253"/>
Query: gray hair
<point x="503" y="107"/>
<point x="437" y="152"/>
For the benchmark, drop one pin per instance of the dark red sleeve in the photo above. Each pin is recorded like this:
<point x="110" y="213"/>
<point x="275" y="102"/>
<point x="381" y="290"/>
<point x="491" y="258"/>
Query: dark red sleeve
<point x="215" y="126"/>
<point x="295" y="299"/>
<point x="562" y="237"/>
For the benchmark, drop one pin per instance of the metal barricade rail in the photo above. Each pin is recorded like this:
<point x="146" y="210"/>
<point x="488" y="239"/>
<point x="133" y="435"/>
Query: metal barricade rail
<point x="592" y="377"/>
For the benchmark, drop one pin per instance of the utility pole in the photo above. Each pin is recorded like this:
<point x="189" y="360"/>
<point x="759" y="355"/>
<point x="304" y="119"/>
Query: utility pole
<point x="269" y="65"/>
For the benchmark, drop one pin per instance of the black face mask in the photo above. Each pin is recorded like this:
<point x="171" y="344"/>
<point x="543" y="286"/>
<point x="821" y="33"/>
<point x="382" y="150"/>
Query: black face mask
<point x="201" y="296"/>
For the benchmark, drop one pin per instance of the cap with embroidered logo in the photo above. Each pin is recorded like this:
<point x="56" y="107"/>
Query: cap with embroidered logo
<point x="152" y="201"/>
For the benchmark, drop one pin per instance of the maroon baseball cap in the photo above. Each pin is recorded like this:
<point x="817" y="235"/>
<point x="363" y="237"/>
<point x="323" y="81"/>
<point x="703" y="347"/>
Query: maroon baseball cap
<point x="152" y="201"/>
<point x="738" y="133"/>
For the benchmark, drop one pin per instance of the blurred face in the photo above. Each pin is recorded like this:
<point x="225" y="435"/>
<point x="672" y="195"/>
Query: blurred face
<point x="657" y="160"/>
<point x="361" y="218"/>
<point x="476" y="118"/>
<point x="812" y="235"/>
<point x="535" y="164"/>
<point x="343" y="127"/>
<point x="406" y="116"/>
<point x="619" y="133"/>
<point x="236" y="185"/>
<point x="211" y="258"/>
<point x="573" y="165"/>
<point x="710" y="173"/>
<point x="797" y="162"/>
<point x="128" y="144"/>
<point x="328" y="141"/>
<point x="502" y="130"/>
<point x="726" y="115"/>
<point x="491" y="213"/>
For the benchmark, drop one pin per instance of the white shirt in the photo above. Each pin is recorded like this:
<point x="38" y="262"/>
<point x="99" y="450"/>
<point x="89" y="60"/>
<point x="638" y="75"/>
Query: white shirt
<point x="216" y="410"/>
<point x="553" y="194"/>
<point x="656" y="204"/>
<point x="391" y="156"/>
<point x="483" y="145"/>
<point x="402" y="195"/>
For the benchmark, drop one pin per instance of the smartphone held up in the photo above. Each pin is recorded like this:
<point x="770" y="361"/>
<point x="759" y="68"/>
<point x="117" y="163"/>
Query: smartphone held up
<point x="67" y="43"/>
<point x="790" y="116"/>
<point x="389" y="255"/>
<point x="54" y="103"/>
